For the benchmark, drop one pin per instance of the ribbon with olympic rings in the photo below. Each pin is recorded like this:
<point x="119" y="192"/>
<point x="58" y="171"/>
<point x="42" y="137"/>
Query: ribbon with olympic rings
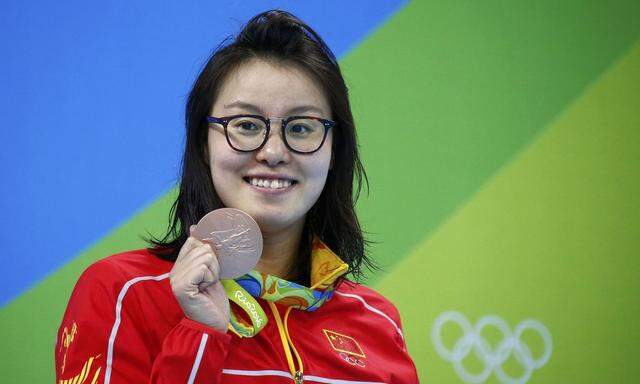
<point x="257" y="317"/>
<point x="271" y="288"/>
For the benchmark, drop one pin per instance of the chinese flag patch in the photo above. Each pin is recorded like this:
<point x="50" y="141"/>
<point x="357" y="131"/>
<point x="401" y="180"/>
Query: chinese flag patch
<point x="344" y="343"/>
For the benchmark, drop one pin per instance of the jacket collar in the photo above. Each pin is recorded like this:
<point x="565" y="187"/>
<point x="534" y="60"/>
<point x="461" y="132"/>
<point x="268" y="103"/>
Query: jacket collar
<point x="326" y="266"/>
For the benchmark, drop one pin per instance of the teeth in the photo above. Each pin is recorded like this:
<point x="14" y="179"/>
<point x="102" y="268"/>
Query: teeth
<point x="272" y="184"/>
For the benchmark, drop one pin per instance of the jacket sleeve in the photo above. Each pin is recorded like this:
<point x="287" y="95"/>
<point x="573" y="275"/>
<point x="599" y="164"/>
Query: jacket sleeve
<point x="406" y="372"/>
<point x="101" y="340"/>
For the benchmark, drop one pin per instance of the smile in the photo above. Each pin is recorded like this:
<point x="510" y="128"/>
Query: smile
<point x="270" y="184"/>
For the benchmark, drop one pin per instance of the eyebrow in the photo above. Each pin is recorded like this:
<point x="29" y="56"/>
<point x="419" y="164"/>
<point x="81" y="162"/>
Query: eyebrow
<point x="255" y="109"/>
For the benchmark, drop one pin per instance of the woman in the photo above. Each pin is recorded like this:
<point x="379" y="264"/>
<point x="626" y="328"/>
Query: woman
<point x="270" y="132"/>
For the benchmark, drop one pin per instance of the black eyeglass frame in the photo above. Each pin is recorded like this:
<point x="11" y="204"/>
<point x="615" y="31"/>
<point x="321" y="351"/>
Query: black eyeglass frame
<point x="224" y="121"/>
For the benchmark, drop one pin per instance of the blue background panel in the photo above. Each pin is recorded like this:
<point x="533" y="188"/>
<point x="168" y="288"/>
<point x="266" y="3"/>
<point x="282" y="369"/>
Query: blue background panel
<point x="92" y="110"/>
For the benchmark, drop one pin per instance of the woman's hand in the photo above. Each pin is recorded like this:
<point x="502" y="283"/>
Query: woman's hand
<point x="196" y="286"/>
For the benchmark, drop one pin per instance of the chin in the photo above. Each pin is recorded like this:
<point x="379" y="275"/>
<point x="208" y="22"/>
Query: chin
<point x="273" y="222"/>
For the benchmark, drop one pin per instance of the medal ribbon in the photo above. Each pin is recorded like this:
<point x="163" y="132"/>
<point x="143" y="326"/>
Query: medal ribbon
<point x="257" y="317"/>
<point x="326" y="267"/>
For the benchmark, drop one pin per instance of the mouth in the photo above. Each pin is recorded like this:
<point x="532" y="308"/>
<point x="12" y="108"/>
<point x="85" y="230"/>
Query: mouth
<point x="267" y="184"/>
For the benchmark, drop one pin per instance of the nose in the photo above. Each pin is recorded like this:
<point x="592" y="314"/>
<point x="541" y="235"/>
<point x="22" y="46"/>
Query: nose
<point x="274" y="151"/>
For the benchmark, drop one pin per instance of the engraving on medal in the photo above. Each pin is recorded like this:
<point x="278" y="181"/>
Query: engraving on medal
<point x="235" y="238"/>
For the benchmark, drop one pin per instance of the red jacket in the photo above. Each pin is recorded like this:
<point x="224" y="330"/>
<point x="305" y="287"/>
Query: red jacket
<point x="124" y="325"/>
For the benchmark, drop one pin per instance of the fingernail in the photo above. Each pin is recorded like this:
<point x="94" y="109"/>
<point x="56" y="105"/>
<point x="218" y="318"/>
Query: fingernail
<point x="191" y="230"/>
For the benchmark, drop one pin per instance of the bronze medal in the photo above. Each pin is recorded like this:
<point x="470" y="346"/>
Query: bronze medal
<point x="235" y="238"/>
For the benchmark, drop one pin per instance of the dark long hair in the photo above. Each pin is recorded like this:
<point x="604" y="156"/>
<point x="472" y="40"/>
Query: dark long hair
<point x="280" y="37"/>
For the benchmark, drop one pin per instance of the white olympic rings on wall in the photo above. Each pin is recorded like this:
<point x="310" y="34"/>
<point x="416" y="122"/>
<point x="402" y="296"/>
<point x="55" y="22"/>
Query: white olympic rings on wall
<point x="472" y="340"/>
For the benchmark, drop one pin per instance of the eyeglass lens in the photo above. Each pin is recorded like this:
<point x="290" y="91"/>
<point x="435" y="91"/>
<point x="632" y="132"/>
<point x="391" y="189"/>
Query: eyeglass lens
<point x="303" y="135"/>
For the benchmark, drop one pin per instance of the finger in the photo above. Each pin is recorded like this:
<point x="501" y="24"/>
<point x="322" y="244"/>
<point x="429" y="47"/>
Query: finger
<point x="210" y="260"/>
<point x="200" y="276"/>
<point x="199" y="255"/>
<point x="207" y="281"/>
<point x="196" y="256"/>
<point x="188" y="245"/>
<point x="202" y="254"/>
<point x="196" y="252"/>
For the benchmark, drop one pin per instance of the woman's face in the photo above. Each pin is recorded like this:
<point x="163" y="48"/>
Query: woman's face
<point x="271" y="90"/>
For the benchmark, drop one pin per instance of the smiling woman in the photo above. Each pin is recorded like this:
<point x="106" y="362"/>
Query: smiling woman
<point x="269" y="132"/>
<point x="254" y="181"/>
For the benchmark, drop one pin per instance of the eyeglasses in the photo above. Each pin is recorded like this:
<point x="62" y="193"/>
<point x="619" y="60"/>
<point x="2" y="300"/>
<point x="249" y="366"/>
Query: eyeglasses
<point x="301" y="134"/>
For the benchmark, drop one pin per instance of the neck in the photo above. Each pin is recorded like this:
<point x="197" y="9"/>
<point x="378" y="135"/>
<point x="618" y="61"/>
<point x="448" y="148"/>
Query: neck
<point x="279" y="251"/>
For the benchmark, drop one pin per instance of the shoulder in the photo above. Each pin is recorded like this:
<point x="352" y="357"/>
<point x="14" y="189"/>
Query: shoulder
<point x="364" y="294"/>
<point x="114" y="272"/>
<point x="106" y="283"/>
<point x="128" y="265"/>
<point x="370" y="300"/>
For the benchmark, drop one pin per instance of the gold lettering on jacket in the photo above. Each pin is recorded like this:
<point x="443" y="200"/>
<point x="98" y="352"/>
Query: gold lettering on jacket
<point x="68" y="334"/>
<point x="84" y="374"/>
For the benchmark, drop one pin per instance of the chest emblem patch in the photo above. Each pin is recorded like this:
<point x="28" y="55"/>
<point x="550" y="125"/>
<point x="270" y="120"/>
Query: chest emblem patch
<point x="345" y="345"/>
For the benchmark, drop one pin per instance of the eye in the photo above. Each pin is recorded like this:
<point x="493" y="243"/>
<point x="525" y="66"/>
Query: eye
<point x="299" y="129"/>
<point x="248" y="126"/>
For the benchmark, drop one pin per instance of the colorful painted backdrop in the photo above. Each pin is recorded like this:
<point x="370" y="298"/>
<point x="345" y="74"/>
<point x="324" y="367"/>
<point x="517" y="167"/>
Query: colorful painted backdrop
<point x="500" y="138"/>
